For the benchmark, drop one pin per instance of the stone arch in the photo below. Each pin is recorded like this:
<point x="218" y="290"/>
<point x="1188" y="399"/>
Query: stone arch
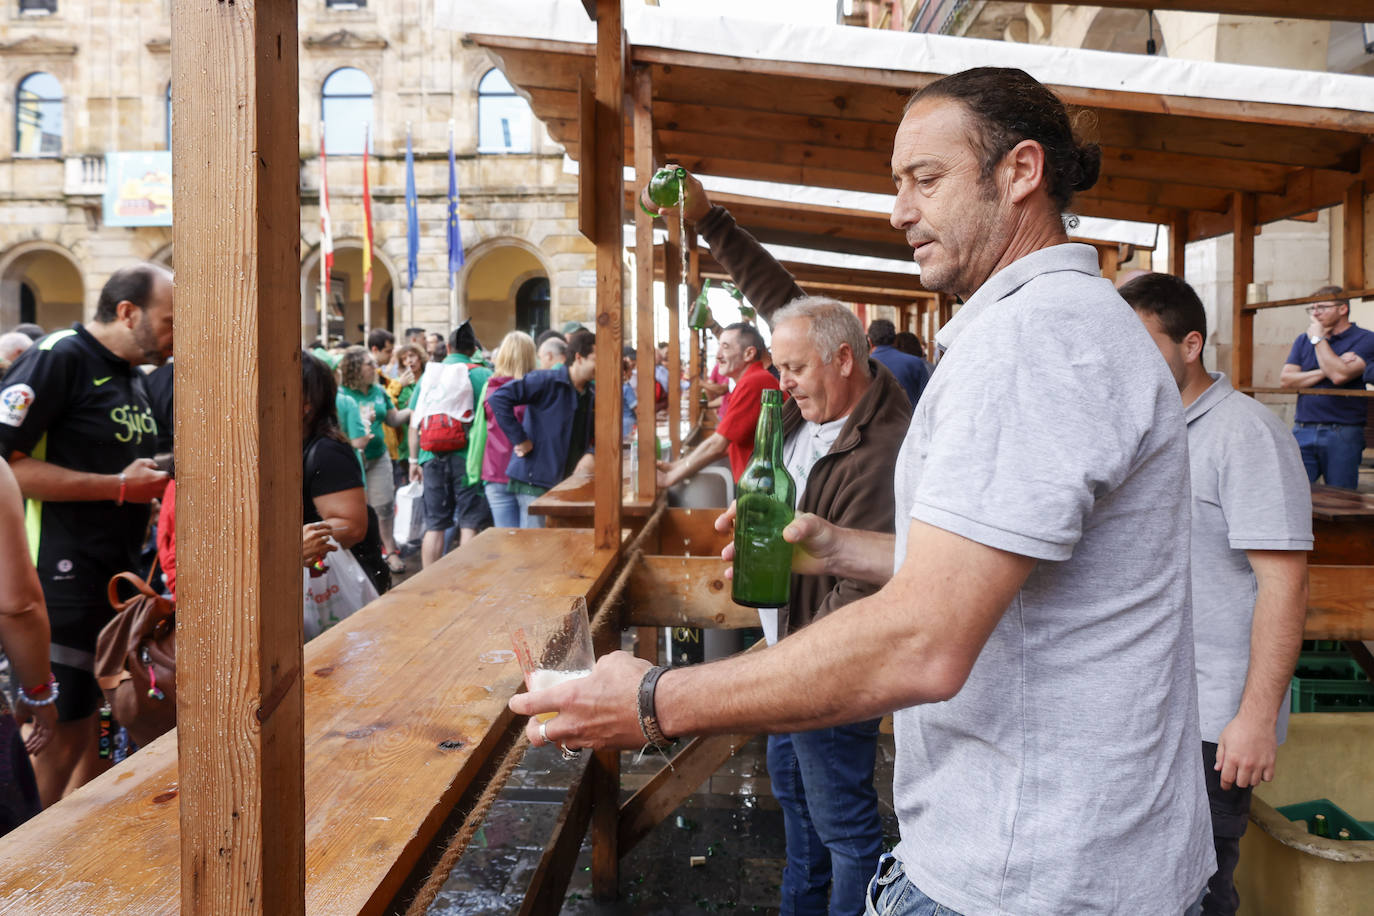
<point x="493" y="273"/>
<point x="53" y="278"/>
<point x="347" y="280"/>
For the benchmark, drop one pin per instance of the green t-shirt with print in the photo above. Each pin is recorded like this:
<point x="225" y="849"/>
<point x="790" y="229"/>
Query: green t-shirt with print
<point x="351" y="422"/>
<point x="380" y="403"/>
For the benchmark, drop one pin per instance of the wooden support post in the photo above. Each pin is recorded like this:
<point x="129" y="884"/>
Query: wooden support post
<point x="608" y="204"/>
<point x="1242" y="275"/>
<point x="1109" y="258"/>
<point x="642" y="88"/>
<point x="1178" y="244"/>
<point x="672" y="279"/>
<point x="240" y="738"/>
<point x="696" y="342"/>
<point x="1352" y="219"/>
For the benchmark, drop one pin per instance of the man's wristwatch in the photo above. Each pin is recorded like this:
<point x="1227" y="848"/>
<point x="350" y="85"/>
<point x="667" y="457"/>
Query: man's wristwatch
<point x="1315" y="339"/>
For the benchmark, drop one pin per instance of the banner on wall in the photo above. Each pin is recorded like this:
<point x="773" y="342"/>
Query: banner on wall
<point x="138" y="188"/>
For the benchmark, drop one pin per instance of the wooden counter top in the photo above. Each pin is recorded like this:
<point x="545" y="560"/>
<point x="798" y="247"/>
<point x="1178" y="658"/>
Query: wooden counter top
<point x="403" y="703"/>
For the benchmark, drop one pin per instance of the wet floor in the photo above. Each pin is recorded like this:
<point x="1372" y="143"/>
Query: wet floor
<point x="732" y="823"/>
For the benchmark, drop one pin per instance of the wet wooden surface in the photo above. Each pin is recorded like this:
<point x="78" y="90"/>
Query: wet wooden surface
<point x="572" y="503"/>
<point x="1340" y="602"/>
<point x="403" y="701"/>
<point x="1333" y="504"/>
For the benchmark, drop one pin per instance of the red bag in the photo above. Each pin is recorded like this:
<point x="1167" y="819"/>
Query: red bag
<point x="442" y="433"/>
<point x="136" y="660"/>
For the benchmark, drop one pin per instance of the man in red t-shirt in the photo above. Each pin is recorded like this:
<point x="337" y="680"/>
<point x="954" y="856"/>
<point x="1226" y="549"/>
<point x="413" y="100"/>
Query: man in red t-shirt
<point x="740" y="356"/>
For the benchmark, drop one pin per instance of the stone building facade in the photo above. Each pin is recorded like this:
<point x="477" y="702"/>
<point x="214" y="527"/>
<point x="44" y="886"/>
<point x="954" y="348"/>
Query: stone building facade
<point x="107" y="89"/>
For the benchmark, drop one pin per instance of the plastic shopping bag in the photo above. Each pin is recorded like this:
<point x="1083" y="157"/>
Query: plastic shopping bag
<point x="340" y="592"/>
<point x="410" y="513"/>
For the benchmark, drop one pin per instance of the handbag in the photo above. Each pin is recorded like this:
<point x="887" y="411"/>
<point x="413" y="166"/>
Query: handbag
<point x="442" y="433"/>
<point x="136" y="660"/>
<point x="342" y="590"/>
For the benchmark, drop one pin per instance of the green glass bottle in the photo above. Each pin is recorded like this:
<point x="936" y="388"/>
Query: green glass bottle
<point x="746" y="311"/>
<point x="1318" y="826"/>
<point x="765" y="500"/>
<point x="700" y="318"/>
<point x="665" y="188"/>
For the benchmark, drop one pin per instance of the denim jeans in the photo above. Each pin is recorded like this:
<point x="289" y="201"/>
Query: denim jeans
<point x="1331" y="451"/>
<point x="523" y="500"/>
<point x="505" y="511"/>
<point x="823" y="779"/>
<point x="891" y="893"/>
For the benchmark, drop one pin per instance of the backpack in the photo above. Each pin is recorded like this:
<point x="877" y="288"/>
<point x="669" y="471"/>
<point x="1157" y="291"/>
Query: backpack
<point x="447" y="401"/>
<point x="136" y="660"/>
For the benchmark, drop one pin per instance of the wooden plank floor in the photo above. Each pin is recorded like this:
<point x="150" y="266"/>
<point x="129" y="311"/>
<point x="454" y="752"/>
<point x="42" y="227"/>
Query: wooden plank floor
<point x="387" y="693"/>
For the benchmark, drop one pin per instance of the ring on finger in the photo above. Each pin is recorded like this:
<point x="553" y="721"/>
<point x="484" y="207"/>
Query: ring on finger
<point x="543" y="732"/>
<point x="570" y="753"/>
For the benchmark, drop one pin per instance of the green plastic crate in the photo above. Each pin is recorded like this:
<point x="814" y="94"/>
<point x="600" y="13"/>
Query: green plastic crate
<point x="1321" y="645"/>
<point x="1331" y="695"/>
<point x="1336" y="817"/>
<point x="1330" y="666"/>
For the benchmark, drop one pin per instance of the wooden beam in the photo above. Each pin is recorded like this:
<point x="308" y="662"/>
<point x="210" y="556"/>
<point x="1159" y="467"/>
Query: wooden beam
<point x="586" y="176"/>
<point x="643" y="92"/>
<point x="1352" y="219"/>
<point x="671" y="591"/>
<point x="240" y="704"/>
<point x="1304" y="300"/>
<point x="606" y="187"/>
<point x="1178" y="244"/>
<point x="672" y="283"/>
<point x="549" y="884"/>
<point x="1242" y="275"/>
<point x="671" y="786"/>
<point x="1340" y="602"/>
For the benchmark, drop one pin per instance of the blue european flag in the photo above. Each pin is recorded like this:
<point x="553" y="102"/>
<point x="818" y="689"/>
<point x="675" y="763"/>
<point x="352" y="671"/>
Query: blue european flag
<point x="412" y="218"/>
<point x="455" y="238"/>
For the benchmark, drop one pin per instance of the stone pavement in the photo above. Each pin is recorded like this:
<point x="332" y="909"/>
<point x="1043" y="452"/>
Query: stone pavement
<point x="732" y="820"/>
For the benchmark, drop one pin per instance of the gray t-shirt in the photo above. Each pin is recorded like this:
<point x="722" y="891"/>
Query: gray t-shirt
<point x="1065" y="776"/>
<point x="1250" y="492"/>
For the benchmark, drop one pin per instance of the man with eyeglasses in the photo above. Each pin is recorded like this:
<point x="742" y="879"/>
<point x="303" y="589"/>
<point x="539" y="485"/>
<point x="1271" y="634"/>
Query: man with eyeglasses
<point x="1332" y="353"/>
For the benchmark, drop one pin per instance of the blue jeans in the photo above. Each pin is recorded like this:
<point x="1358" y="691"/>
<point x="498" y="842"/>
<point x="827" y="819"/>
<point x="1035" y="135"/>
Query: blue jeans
<point x="823" y="779"/>
<point x="523" y="500"/>
<point x="505" y="511"/>
<point x="891" y="893"/>
<point x="1331" y="451"/>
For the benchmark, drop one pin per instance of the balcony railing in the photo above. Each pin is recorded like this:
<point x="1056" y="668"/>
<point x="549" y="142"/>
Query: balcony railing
<point x="85" y="175"/>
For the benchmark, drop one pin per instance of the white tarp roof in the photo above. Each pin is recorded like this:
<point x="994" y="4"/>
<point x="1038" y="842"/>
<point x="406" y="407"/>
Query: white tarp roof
<point x="566" y="20"/>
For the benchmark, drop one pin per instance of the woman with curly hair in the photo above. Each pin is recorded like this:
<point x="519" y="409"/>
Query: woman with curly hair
<point x="358" y="384"/>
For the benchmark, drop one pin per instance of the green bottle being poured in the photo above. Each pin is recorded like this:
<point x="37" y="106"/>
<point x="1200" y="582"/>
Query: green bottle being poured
<point x="746" y="311"/>
<point x="765" y="501"/>
<point x="665" y="188"/>
<point x="700" y="319"/>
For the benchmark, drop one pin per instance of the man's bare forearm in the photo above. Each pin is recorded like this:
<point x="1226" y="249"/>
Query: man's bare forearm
<point x="711" y="448"/>
<point x="1335" y="368"/>
<point x="44" y="480"/>
<point x="864" y="556"/>
<point x="1276" y="632"/>
<point x="1293" y="377"/>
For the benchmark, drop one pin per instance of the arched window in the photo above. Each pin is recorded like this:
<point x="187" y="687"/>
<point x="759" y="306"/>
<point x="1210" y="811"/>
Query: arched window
<point x="38" y="116"/>
<point x="504" y="119"/>
<point x="169" y="115"/>
<point x="347" y="111"/>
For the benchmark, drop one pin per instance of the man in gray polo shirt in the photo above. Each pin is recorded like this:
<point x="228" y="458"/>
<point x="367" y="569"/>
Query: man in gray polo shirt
<point x="1252" y="527"/>
<point x="1033" y="627"/>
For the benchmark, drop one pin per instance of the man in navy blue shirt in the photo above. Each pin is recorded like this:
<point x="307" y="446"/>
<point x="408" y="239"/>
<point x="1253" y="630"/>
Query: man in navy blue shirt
<point x="910" y="370"/>
<point x="1332" y="353"/>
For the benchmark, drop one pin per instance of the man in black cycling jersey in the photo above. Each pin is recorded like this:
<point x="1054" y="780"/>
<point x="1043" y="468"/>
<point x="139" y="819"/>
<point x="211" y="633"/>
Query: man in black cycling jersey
<point x="78" y="431"/>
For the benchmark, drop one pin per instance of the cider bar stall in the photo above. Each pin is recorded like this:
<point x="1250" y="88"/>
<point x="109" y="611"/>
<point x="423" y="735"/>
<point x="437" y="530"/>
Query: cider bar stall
<point x="339" y="776"/>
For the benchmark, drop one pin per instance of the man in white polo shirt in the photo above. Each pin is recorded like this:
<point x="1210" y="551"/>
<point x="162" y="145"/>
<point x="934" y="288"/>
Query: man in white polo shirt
<point x="1033" y="628"/>
<point x="1252" y="528"/>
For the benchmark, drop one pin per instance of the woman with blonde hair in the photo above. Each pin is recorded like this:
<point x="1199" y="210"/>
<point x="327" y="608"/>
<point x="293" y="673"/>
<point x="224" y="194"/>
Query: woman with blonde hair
<point x="514" y="358"/>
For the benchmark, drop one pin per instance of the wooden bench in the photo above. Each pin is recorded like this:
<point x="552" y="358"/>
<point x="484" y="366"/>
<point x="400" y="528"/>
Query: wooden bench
<point x="404" y="703"/>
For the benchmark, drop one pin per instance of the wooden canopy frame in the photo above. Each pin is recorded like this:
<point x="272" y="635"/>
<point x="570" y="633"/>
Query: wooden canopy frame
<point x="274" y="772"/>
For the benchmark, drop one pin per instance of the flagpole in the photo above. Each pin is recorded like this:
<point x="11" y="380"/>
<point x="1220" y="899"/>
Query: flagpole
<point x="324" y="264"/>
<point x="452" y="274"/>
<point x="367" y="241"/>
